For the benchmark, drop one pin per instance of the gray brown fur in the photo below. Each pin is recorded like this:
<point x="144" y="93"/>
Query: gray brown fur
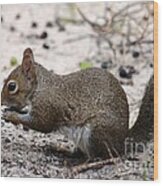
<point x="143" y="129"/>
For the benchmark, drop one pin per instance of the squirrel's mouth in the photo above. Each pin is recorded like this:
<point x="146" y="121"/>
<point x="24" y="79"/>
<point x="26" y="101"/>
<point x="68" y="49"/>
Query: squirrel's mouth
<point x="24" y="110"/>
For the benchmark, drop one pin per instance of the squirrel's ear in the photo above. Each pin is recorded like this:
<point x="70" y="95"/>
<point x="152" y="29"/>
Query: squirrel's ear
<point x="28" y="51"/>
<point x="28" y="63"/>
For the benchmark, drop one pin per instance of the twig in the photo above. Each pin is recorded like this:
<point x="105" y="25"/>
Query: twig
<point x="95" y="165"/>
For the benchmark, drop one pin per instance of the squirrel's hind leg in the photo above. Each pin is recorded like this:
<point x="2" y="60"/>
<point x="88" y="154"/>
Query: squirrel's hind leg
<point x="107" y="136"/>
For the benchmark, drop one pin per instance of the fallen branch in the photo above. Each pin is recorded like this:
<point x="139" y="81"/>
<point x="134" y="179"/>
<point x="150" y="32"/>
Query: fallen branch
<point x="95" y="165"/>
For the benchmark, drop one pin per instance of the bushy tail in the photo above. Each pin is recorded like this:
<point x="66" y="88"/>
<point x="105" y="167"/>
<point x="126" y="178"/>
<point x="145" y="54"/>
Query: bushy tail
<point x="143" y="128"/>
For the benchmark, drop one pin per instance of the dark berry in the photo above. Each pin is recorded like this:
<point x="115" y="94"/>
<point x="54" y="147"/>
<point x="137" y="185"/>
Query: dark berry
<point x="34" y="25"/>
<point x="45" y="46"/>
<point x="44" y="35"/>
<point x="135" y="54"/>
<point x="124" y="73"/>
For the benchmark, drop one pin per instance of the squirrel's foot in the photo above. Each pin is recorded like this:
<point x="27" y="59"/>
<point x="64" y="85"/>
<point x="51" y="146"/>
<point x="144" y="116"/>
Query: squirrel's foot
<point x="11" y="116"/>
<point x="63" y="148"/>
<point x="16" y="117"/>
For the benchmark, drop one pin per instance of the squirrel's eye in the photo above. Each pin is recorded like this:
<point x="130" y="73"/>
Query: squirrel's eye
<point x="12" y="86"/>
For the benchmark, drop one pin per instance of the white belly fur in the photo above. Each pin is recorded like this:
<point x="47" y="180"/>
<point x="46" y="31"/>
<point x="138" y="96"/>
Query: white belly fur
<point x="79" y="135"/>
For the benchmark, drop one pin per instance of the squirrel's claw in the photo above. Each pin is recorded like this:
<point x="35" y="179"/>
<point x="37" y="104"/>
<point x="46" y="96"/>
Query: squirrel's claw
<point x="10" y="116"/>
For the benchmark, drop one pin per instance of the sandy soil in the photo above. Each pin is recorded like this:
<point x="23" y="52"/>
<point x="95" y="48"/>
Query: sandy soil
<point x="30" y="153"/>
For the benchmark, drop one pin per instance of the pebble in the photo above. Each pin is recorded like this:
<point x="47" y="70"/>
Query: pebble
<point x="2" y="124"/>
<point x="60" y="26"/>
<point x="126" y="71"/>
<point x="12" y="29"/>
<point x="34" y="25"/>
<point x="17" y="16"/>
<point x="2" y="19"/>
<point x="45" y="46"/>
<point x="123" y="73"/>
<point x="135" y="54"/>
<point x="49" y="24"/>
<point x="7" y="140"/>
<point x="145" y="18"/>
<point x="20" y="136"/>
<point x="44" y="35"/>
<point x="121" y="51"/>
<point x="25" y="128"/>
<point x="106" y="64"/>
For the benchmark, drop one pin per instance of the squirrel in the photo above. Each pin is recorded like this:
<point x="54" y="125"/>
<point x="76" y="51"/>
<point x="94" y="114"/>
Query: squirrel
<point x="143" y="129"/>
<point x="89" y="106"/>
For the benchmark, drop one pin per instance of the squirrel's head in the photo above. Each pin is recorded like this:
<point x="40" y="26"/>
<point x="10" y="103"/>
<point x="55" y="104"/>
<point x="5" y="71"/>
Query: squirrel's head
<point x="20" y="83"/>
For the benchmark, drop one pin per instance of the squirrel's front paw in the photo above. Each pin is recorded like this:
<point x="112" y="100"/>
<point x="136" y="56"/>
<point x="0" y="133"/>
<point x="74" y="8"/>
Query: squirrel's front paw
<point x="11" y="116"/>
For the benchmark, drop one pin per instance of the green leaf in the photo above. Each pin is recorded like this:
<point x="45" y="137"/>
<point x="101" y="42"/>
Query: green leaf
<point x="13" y="61"/>
<point x="85" y="64"/>
<point x="144" y="175"/>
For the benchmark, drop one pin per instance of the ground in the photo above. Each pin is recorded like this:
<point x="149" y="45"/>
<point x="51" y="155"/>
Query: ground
<point x="63" y="41"/>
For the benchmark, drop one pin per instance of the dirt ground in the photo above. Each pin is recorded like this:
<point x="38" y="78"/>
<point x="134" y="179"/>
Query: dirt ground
<point x="61" y="41"/>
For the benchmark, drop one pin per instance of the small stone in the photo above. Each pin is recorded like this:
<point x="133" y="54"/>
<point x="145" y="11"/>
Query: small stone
<point x="17" y="16"/>
<point x="44" y="35"/>
<point x="34" y="25"/>
<point x="60" y="25"/>
<point x="127" y="71"/>
<point x="145" y="18"/>
<point x="2" y="124"/>
<point x="25" y="128"/>
<point x="49" y="24"/>
<point x="121" y="51"/>
<point x="62" y="29"/>
<point x="131" y="69"/>
<point x="45" y="46"/>
<point x="108" y="9"/>
<point x="7" y="140"/>
<point x="106" y="64"/>
<point x="123" y="73"/>
<point x="2" y="19"/>
<point x="12" y="28"/>
<point x="135" y="54"/>
<point x="46" y="176"/>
